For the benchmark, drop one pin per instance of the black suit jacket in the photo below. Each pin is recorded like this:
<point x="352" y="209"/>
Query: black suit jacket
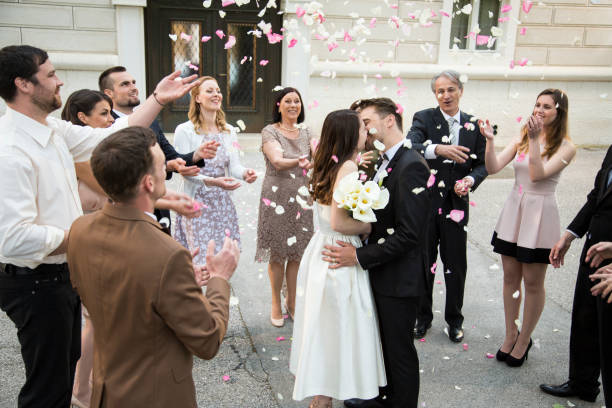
<point x="167" y="148"/>
<point x="429" y="124"/>
<point x="397" y="265"/>
<point x="595" y="216"/>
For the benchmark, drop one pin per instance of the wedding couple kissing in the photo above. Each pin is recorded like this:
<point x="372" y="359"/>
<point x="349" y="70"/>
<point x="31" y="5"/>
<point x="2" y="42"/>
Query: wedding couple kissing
<point x="357" y="301"/>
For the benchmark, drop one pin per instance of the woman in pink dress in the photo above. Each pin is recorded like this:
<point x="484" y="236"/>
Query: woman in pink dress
<point x="529" y="225"/>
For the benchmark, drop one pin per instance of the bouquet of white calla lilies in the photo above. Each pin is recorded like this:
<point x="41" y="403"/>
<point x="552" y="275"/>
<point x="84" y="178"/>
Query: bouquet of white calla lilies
<point x="360" y="198"/>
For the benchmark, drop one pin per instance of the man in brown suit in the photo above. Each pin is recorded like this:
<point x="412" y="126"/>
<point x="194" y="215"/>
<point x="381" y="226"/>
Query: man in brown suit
<point x="149" y="314"/>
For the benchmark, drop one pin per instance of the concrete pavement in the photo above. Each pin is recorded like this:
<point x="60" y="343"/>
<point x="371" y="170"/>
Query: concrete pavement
<point x="257" y="363"/>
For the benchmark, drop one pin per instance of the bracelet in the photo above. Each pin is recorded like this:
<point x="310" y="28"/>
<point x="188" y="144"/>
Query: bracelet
<point x="157" y="100"/>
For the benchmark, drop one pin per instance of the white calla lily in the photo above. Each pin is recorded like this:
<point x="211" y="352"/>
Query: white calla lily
<point x="382" y="200"/>
<point x="364" y="215"/>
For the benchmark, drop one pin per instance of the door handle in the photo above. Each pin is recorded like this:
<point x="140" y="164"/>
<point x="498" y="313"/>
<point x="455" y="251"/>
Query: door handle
<point x="222" y="74"/>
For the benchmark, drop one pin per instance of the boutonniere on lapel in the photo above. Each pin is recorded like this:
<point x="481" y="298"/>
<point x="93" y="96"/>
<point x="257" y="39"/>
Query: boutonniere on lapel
<point x="361" y="198"/>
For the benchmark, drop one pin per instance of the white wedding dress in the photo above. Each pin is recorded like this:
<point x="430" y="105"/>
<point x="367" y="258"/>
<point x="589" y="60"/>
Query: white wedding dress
<point x="336" y="348"/>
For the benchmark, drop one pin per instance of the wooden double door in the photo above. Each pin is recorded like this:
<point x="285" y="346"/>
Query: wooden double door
<point x="177" y="39"/>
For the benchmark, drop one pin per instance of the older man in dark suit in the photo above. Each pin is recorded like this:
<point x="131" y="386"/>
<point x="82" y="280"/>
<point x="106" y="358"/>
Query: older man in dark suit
<point x="454" y="148"/>
<point x="591" y="333"/>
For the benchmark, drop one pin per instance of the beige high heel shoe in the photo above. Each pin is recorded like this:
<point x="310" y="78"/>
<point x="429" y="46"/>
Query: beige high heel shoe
<point x="277" y="322"/>
<point x="316" y="403"/>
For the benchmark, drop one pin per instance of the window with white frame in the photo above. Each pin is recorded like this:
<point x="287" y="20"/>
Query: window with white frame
<point x="474" y="23"/>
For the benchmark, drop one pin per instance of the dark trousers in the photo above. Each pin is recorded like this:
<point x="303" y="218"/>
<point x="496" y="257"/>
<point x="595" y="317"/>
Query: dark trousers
<point x="396" y="318"/>
<point x="452" y="239"/>
<point x="47" y="313"/>
<point x="591" y="336"/>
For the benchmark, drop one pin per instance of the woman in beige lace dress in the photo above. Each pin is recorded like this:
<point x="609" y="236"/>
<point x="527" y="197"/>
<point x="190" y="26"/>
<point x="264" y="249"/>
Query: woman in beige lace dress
<point x="285" y="227"/>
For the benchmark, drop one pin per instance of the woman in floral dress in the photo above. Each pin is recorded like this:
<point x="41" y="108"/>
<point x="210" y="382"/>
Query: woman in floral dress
<point x="211" y="187"/>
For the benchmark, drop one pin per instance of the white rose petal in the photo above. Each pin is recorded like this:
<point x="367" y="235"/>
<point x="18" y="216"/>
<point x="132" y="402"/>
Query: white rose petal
<point x="274" y="188"/>
<point x="303" y="190"/>
<point x="390" y="231"/>
<point x="207" y="3"/>
<point x="408" y="144"/>
<point x="381" y="241"/>
<point x="275" y="359"/>
<point x="441" y="184"/>
<point x="379" y="145"/>
<point x="373" y="131"/>
<point x="473" y="156"/>
<point x="241" y="124"/>
<point x="291" y="240"/>
<point x="279" y="210"/>
<point x="418" y="190"/>
<point x="516" y="294"/>
<point x="456" y="386"/>
<point x="278" y="88"/>
<point x="233" y="301"/>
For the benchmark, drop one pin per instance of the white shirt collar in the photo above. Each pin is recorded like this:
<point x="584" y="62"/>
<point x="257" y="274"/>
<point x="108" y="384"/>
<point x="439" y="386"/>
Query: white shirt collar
<point x="457" y="116"/>
<point x="36" y="130"/>
<point x="392" y="150"/>
<point x="151" y="215"/>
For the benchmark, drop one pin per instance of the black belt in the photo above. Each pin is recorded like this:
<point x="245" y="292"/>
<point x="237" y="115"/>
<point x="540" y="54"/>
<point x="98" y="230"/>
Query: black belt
<point x="55" y="270"/>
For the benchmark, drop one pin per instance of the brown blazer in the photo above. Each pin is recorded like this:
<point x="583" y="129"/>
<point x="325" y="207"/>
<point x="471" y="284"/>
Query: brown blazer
<point x="149" y="315"/>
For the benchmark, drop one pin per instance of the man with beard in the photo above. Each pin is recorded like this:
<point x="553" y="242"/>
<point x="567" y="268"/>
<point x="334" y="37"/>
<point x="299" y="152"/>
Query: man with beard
<point x="40" y="201"/>
<point x="120" y="86"/>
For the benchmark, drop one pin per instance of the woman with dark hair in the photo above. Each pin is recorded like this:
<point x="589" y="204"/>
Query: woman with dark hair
<point x="211" y="187"/>
<point x="87" y="108"/>
<point x="336" y="350"/>
<point x="529" y="226"/>
<point x="284" y="225"/>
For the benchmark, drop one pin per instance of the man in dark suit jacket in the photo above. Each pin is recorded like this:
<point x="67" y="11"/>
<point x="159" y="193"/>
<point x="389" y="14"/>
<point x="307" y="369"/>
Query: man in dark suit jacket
<point x="454" y="148"/>
<point x="591" y="333"/>
<point x="120" y="86"/>
<point x="396" y="255"/>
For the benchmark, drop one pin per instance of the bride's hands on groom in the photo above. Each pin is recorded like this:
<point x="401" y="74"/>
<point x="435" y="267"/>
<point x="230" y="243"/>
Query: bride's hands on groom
<point x="338" y="256"/>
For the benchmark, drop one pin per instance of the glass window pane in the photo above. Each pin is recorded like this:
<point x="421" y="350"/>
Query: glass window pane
<point x="460" y="25"/>
<point x="241" y="68"/>
<point x="185" y="52"/>
<point x="487" y="18"/>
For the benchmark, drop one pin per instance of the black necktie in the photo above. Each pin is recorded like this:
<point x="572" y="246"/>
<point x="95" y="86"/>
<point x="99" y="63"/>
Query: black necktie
<point x="381" y="158"/>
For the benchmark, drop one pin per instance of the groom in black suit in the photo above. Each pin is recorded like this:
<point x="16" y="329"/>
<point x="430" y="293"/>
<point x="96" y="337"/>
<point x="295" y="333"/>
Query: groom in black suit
<point x="396" y="254"/>
<point x="453" y="146"/>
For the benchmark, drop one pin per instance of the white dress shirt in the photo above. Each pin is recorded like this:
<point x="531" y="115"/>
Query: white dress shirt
<point x="186" y="140"/>
<point x="383" y="166"/>
<point x="40" y="197"/>
<point x="430" y="151"/>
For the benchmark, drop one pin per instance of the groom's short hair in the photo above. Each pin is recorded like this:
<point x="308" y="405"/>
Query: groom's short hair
<point x="382" y="106"/>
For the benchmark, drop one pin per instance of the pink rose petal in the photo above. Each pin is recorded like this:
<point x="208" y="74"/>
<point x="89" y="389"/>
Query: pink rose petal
<point x="231" y="41"/>
<point x="512" y="64"/>
<point x="227" y="232"/>
<point x="263" y="62"/>
<point x="519" y="118"/>
<point x="431" y="180"/>
<point x="225" y="378"/>
<point x="433" y="268"/>
<point x="206" y="38"/>
<point x="388" y="169"/>
<point x="280" y="338"/>
<point x="472" y="203"/>
<point x="266" y="201"/>
<point x="332" y="46"/>
<point x="292" y="43"/>
<point x="363" y="177"/>
<point x="506" y="8"/>
<point x="520" y="189"/>
<point x="196" y="206"/>
<point x="300" y="12"/>
<point x="482" y="39"/>
<point x="400" y="108"/>
<point x="523" y="30"/>
<point x="373" y="22"/>
<point x="220" y="34"/>
<point x="422" y="340"/>
<point x="465" y="346"/>
<point x="527" y="4"/>
<point x="243" y="60"/>
<point x="503" y="19"/>
<point x="274" y="38"/>
<point x="457" y="215"/>
<point x="444" y="13"/>
<point x="439" y="211"/>
<point x="226" y="3"/>
<point x="520" y="157"/>
<point x="334" y="158"/>
<point x="347" y="37"/>
<point x="489" y="355"/>
<point x="523" y="62"/>
<point x="185" y="37"/>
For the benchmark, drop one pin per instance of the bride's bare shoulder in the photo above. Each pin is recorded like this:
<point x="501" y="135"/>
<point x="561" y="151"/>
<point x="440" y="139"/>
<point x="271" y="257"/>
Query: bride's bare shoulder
<point x="348" y="166"/>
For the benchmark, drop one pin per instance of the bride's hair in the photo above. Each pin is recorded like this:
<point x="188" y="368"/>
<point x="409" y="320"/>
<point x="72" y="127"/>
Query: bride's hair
<point x="338" y="143"/>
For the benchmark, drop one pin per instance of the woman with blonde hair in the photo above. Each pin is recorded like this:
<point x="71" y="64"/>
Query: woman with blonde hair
<point x="211" y="186"/>
<point x="529" y="226"/>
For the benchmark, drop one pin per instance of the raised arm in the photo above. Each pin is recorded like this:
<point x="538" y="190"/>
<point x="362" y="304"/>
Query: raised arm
<point x="340" y="219"/>
<point x="494" y="163"/>
<point x="538" y="170"/>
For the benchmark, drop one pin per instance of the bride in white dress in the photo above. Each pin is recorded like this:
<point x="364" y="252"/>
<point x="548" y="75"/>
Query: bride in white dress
<point x="336" y="350"/>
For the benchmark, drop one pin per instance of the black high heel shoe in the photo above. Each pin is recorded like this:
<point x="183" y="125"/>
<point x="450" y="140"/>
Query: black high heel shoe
<point x="502" y="356"/>
<point x="517" y="362"/>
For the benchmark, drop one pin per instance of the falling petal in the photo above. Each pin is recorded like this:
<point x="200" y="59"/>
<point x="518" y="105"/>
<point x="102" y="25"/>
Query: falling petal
<point x="457" y="387"/>
<point x="185" y="37"/>
<point x="465" y="347"/>
<point x="173" y="37"/>
<point x="241" y="124"/>
<point x="527" y="4"/>
<point x="519" y="118"/>
<point x="231" y="41"/>
<point x="381" y="241"/>
<point x="227" y="232"/>
<point x="506" y="8"/>
<point x="207" y="3"/>
<point x="431" y="180"/>
<point x="516" y="294"/>
<point x="418" y="190"/>
<point x="390" y="231"/>
<point x="225" y="378"/>
<point x="408" y="144"/>
<point x="292" y="43"/>
<point x="222" y="13"/>
<point x="291" y="240"/>
<point x="280" y="338"/>
<point x="279" y="210"/>
<point x="523" y="30"/>
<point x="220" y="34"/>
<point x="433" y="268"/>
<point x="379" y="145"/>
<point x="473" y="204"/>
<point x="266" y="201"/>
<point x="489" y="355"/>
<point x="233" y="301"/>
<point x="274" y="358"/>
<point x="334" y="158"/>
<point x="456" y="215"/>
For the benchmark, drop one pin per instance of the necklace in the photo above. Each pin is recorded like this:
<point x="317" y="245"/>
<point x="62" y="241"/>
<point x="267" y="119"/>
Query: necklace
<point x="286" y="129"/>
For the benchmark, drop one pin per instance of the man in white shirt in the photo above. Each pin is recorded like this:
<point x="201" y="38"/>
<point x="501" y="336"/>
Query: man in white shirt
<point x="454" y="149"/>
<point x="40" y="202"/>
